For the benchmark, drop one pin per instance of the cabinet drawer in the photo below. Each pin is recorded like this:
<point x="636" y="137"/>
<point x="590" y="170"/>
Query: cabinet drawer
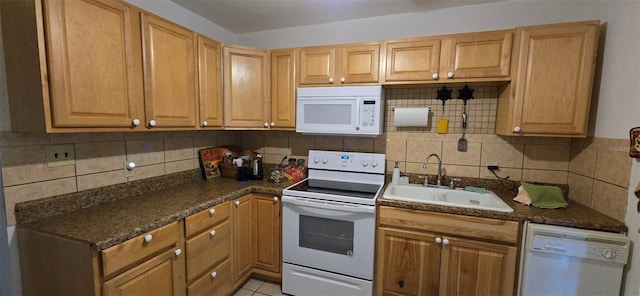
<point x="138" y="248"/>
<point x="207" y="218"/>
<point x="207" y="249"/>
<point x="456" y="225"/>
<point x="216" y="282"/>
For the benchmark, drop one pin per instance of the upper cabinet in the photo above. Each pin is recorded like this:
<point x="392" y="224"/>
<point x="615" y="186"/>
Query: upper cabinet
<point x="169" y="74"/>
<point x="97" y="65"/>
<point x="283" y="88"/>
<point x="345" y="64"/>
<point x="468" y="57"/>
<point x="550" y="91"/>
<point x="97" y="84"/>
<point x="246" y="88"/>
<point x="73" y="65"/>
<point x="210" y="86"/>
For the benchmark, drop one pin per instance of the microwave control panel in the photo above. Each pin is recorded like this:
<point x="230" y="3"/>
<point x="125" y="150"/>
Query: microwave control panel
<point x="369" y="113"/>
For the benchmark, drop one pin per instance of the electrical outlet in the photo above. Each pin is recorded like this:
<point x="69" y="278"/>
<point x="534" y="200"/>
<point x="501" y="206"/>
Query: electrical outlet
<point x="60" y="155"/>
<point x="488" y="173"/>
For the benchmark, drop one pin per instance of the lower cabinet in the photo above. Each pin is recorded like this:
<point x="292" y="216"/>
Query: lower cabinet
<point x="208" y="253"/>
<point x="256" y="237"/>
<point x="424" y="253"/>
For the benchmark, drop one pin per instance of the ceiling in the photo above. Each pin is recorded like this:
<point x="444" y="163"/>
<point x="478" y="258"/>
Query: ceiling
<point x="246" y="16"/>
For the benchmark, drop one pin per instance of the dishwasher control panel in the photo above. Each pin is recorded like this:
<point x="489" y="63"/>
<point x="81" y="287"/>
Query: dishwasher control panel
<point x="606" y="251"/>
<point x="564" y="241"/>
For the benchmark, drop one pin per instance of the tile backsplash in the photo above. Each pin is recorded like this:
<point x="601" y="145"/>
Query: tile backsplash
<point x="596" y="169"/>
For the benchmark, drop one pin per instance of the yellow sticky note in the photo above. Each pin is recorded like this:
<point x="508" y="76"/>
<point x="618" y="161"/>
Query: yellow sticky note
<point x="443" y="125"/>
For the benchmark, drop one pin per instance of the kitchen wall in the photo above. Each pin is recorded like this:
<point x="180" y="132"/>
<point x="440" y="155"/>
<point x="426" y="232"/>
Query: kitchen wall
<point x="615" y="105"/>
<point x="595" y="168"/>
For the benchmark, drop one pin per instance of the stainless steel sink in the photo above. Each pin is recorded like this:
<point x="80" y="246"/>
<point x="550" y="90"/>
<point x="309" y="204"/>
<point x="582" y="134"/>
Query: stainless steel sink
<point x="447" y="197"/>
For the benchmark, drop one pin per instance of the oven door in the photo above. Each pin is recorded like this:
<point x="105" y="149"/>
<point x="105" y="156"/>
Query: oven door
<point x="331" y="236"/>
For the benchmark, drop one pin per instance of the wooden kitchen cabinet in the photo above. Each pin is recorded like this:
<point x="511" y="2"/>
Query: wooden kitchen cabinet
<point x="552" y="81"/>
<point x="266" y="232"/>
<point x="243" y="248"/>
<point x="246" y="88"/>
<point x="424" y="253"/>
<point x="256" y="237"/>
<point x="149" y="264"/>
<point x="210" y="83"/>
<point x="344" y="64"/>
<point x="135" y="274"/>
<point x="470" y="57"/>
<point x="73" y="65"/>
<point x="283" y="89"/>
<point x="169" y="74"/>
<point x="97" y="65"/>
<point x="208" y="251"/>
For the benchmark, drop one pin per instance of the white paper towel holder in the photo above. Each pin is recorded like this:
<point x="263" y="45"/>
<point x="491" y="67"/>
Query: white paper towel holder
<point x="422" y="123"/>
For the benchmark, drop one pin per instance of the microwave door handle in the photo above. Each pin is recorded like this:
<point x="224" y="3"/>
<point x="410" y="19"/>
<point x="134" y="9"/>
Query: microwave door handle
<point x="358" y="110"/>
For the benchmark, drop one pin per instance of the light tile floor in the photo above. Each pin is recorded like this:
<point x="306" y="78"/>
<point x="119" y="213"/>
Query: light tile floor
<point x="259" y="288"/>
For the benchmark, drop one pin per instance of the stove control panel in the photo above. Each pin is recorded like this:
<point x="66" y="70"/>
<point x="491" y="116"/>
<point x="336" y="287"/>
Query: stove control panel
<point x="347" y="161"/>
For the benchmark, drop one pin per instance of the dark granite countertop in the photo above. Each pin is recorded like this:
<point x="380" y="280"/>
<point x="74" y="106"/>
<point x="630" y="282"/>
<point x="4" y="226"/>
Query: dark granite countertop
<point x="110" y="223"/>
<point x="107" y="216"/>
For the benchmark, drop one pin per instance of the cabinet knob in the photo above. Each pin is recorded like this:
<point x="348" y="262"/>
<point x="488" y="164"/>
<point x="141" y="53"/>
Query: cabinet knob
<point x="266" y="124"/>
<point x="214" y="274"/>
<point x="342" y="79"/>
<point x="135" y="122"/>
<point x="330" y="79"/>
<point x="273" y="124"/>
<point x="212" y="233"/>
<point x="148" y="238"/>
<point x="152" y="123"/>
<point x="212" y="211"/>
<point x="450" y="74"/>
<point x="516" y="129"/>
<point x="205" y="123"/>
<point x="178" y="252"/>
<point x="237" y="203"/>
<point x="438" y="240"/>
<point x="434" y="76"/>
<point x="445" y="242"/>
<point x="275" y="198"/>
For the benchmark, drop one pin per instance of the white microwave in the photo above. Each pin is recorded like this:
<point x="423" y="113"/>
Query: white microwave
<point x="346" y="110"/>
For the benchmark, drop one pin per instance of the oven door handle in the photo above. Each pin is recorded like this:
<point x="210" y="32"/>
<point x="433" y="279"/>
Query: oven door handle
<point x="329" y="205"/>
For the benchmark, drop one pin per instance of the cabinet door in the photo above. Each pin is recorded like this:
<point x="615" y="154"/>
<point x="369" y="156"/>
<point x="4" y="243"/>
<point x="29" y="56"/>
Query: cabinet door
<point x="242" y="243"/>
<point x="283" y="89"/>
<point x="408" y="263"/>
<point x="210" y="86"/>
<point x="94" y="58"/>
<point x="161" y="275"/>
<point x="245" y="87"/>
<point x="478" y="55"/>
<point x="359" y="63"/>
<point x="471" y="267"/>
<point x="553" y="81"/>
<point x="266" y="212"/>
<point x="169" y="74"/>
<point x="317" y="65"/>
<point x="412" y="60"/>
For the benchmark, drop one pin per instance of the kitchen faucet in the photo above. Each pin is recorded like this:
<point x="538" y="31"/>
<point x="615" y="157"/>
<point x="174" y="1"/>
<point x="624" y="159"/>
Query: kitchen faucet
<point x="424" y="166"/>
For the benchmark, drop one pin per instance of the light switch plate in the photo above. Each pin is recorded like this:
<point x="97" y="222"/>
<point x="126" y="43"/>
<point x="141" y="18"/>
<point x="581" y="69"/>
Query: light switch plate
<point x="60" y="155"/>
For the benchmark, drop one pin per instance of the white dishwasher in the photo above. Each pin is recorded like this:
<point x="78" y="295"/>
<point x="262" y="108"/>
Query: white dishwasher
<point x="560" y="260"/>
